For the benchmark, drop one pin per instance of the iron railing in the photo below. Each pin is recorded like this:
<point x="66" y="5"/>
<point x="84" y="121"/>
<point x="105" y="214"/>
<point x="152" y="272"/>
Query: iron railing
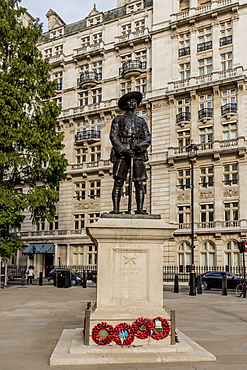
<point x="88" y="134"/>
<point x="184" y="51"/>
<point x="132" y="65"/>
<point x="226" y="40"/>
<point x="89" y="76"/>
<point x="204" y="46"/>
<point x="205" y="112"/>
<point x="229" y="108"/>
<point x="183" y="116"/>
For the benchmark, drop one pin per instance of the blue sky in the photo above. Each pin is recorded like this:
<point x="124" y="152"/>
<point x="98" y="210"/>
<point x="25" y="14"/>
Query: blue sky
<point x="69" y="10"/>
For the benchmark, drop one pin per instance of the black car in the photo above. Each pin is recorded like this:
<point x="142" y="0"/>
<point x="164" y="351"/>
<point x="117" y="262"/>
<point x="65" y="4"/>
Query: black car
<point x="213" y="279"/>
<point x="75" y="277"/>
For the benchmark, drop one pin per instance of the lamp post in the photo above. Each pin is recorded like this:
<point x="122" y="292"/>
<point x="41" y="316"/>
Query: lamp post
<point x="192" y="154"/>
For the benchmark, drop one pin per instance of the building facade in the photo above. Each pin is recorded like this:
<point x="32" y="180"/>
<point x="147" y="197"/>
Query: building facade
<point x="188" y="60"/>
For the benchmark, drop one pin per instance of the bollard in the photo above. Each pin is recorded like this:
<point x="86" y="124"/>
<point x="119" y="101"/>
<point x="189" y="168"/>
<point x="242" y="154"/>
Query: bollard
<point x="84" y="281"/>
<point x="199" y="284"/>
<point x="176" y="286"/>
<point x="40" y="278"/>
<point x="224" y="285"/>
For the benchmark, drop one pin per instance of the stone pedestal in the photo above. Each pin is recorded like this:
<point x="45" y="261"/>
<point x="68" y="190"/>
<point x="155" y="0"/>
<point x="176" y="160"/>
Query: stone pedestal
<point x="130" y="270"/>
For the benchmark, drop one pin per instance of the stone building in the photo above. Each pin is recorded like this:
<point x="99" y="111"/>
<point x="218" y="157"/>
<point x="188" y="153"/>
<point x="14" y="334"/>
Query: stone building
<point x="188" y="60"/>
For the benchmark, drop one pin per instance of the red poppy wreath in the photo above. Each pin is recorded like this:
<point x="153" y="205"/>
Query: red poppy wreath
<point x="161" y="328"/>
<point x="102" y="333"/>
<point x="142" y="327"/>
<point x="123" y="334"/>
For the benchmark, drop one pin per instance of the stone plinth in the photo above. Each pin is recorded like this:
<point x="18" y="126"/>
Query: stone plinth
<point x="130" y="269"/>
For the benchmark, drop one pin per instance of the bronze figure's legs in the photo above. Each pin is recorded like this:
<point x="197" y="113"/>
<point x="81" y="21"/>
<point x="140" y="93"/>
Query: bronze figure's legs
<point x="116" y="195"/>
<point x="140" y="193"/>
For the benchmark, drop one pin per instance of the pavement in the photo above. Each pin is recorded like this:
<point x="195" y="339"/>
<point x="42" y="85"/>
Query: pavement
<point x="33" y="317"/>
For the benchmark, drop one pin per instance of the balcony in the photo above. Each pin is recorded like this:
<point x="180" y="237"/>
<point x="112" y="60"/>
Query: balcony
<point x="89" y="79"/>
<point x="183" y="117"/>
<point x="87" y="135"/>
<point x="203" y="46"/>
<point x="132" y="68"/>
<point x="184" y="51"/>
<point x="226" y="40"/>
<point x="229" y="109"/>
<point x="205" y="113"/>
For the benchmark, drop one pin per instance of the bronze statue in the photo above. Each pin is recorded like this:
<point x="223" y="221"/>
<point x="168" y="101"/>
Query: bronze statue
<point x="130" y="138"/>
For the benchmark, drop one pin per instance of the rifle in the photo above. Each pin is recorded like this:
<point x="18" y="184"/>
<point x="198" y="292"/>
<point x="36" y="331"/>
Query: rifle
<point x="131" y="176"/>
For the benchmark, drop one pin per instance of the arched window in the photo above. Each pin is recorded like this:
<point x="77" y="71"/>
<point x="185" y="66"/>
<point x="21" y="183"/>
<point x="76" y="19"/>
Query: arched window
<point x="184" y="254"/>
<point x="207" y="254"/>
<point x="231" y="254"/>
<point x="184" y="5"/>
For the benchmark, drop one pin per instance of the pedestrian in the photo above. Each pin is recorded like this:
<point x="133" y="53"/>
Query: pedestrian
<point x="30" y="275"/>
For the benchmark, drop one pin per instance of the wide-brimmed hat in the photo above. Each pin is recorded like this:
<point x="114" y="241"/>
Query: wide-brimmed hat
<point x="131" y="95"/>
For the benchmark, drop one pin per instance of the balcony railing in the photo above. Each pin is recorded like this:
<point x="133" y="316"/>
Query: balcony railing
<point x="183" y="117"/>
<point x="184" y="51"/>
<point x="204" y="46"/>
<point x="205" y="113"/>
<point x="89" y="77"/>
<point x="229" y="108"/>
<point x="226" y="40"/>
<point x="132" y="66"/>
<point x="86" y="135"/>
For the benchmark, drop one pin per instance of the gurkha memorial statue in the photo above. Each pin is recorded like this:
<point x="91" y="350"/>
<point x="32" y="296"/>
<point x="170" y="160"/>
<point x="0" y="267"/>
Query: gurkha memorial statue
<point x="128" y="323"/>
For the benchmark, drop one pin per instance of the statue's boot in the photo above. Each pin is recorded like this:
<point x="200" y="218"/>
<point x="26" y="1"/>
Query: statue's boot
<point x="140" y="200"/>
<point x="116" y="196"/>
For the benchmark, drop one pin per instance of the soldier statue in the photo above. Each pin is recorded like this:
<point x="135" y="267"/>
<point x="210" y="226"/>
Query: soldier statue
<point x="130" y="138"/>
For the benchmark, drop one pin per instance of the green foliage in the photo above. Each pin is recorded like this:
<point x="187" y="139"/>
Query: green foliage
<point x="30" y="157"/>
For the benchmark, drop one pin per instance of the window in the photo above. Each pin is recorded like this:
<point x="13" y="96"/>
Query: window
<point x="207" y="254"/>
<point x="140" y="26"/>
<point x="183" y="138"/>
<point x="206" y="134"/>
<point x="59" y="80"/>
<point x="138" y="6"/>
<point x="81" y="154"/>
<point x="125" y="87"/>
<point x="131" y="9"/>
<point x="83" y="98"/>
<point x="184" y="71"/>
<point x="126" y="29"/>
<point x="141" y="113"/>
<point x="97" y="95"/>
<point x="225" y="33"/>
<point x="48" y="53"/>
<point x="141" y="85"/>
<point x="204" y="39"/>
<point x="95" y="128"/>
<point x="97" y="38"/>
<point x="205" y="66"/>
<point x="206" y="101"/>
<point x="230" y="174"/>
<point x="206" y="212"/>
<point x="93" y="217"/>
<point x="183" y="110"/>
<point x="58" y="49"/>
<point x="92" y="255"/>
<point x="79" y="221"/>
<point x="141" y="55"/>
<point x="184" y="254"/>
<point x="226" y="61"/>
<point x="59" y="101"/>
<point x="85" y="41"/>
<point x="94" y="189"/>
<point x="95" y="153"/>
<point x="78" y="255"/>
<point x="183" y="177"/>
<point x="231" y="254"/>
<point x="125" y="58"/>
<point x="183" y="214"/>
<point x="231" y="211"/>
<point x="97" y="68"/>
<point x="80" y="190"/>
<point x="184" y="44"/>
<point x="229" y="131"/>
<point x="228" y="96"/>
<point x="206" y="177"/>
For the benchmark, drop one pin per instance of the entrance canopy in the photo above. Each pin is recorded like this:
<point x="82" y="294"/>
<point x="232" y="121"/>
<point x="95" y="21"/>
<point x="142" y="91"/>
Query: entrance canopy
<point x="40" y="248"/>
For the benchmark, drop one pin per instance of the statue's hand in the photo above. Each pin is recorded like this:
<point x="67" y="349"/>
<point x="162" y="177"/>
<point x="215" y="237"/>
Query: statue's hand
<point x="129" y="152"/>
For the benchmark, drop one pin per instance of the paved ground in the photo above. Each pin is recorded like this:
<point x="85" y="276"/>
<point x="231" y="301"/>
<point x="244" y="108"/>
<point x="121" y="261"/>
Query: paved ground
<point x="33" y="317"/>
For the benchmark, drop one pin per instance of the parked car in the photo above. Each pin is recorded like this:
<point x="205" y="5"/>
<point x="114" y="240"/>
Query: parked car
<point x="75" y="277"/>
<point x="213" y="279"/>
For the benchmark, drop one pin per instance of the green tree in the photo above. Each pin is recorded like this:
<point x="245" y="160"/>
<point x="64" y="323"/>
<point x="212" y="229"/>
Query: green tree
<point x="31" y="163"/>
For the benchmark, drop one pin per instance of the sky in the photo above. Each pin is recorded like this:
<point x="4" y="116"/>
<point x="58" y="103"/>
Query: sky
<point x="69" y="10"/>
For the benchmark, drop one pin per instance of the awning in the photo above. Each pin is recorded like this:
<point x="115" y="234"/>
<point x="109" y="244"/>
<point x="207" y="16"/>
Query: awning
<point x="40" y="248"/>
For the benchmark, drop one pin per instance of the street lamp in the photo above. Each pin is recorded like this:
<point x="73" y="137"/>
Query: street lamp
<point x="192" y="154"/>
